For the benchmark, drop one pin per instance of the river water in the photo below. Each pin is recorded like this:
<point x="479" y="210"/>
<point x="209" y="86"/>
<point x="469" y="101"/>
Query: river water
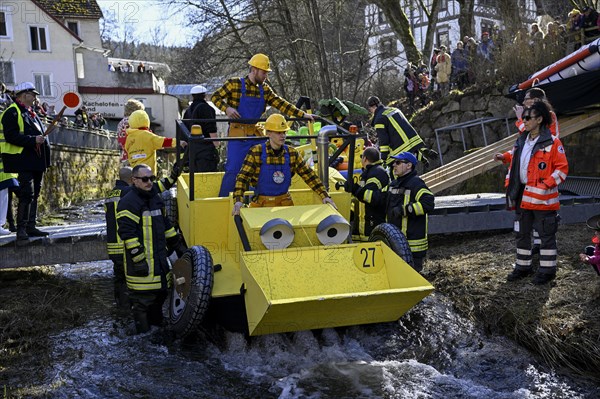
<point x="430" y="353"/>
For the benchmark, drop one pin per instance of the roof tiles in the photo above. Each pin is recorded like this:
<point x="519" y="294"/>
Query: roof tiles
<point x="88" y="9"/>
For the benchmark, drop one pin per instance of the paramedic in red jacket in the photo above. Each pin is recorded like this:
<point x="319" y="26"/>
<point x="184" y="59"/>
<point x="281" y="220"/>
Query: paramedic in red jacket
<point x="538" y="166"/>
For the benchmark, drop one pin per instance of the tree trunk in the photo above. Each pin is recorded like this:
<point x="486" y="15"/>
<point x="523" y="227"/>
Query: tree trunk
<point x="313" y="10"/>
<point x="432" y="18"/>
<point x="295" y="47"/>
<point x="399" y="23"/>
<point x="465" y="18"/>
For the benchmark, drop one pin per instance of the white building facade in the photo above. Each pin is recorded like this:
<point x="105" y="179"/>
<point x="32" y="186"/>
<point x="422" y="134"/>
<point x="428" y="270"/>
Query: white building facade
<point x="387" y="52"/>
<point x="56" y="44"/>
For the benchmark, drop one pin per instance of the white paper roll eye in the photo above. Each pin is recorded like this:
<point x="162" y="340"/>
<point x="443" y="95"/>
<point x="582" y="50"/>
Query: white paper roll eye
<point x="333" y="230"/>
<point x="277" y="234"/>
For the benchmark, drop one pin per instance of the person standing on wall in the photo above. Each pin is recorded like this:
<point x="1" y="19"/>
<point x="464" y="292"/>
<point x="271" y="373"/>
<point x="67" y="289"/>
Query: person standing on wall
<point x="25" y="151"/>
<point x="247" y="98"/>
<point x="207" y="153"/>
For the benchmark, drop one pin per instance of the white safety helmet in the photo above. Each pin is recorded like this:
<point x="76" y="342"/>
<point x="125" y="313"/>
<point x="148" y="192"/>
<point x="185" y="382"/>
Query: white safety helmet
<point x="198" y="89"/>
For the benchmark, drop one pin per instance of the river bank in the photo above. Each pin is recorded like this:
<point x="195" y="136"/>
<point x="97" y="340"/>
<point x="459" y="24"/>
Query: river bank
<point x="44" y="307"/>
<point x="559" y="321"/>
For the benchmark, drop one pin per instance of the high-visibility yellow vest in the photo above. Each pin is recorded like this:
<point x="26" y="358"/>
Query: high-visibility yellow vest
<point x="9" y="148"/>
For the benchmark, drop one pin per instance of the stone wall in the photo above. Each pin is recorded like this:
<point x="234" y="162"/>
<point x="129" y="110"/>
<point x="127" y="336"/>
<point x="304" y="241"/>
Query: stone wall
<point x="77" y="174"/>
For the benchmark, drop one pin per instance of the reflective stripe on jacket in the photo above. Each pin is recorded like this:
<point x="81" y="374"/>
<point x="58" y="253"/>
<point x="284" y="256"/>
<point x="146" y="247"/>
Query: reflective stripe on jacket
<point x="410" y="193"/>
<point x="394" y="132"/>
<point x="141" y="223"/>
<point x="547" y="168"/>
<point x="367" y="215"/>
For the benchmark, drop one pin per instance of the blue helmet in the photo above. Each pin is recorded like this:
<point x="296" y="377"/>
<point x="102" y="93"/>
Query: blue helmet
<point x="406" y="156"/>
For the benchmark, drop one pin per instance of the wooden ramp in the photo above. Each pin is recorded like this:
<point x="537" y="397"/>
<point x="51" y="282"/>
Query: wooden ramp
<point x="481" y="161"/>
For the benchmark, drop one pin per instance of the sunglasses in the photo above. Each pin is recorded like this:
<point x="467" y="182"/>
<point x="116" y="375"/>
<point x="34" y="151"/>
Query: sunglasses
<point x="529" y="117"/>
<point x="145" y="179"/>
<point x="399" y="162"/>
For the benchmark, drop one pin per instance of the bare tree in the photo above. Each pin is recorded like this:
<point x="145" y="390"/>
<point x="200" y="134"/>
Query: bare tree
<point x="395" y="16"/>
<point x="432" y="19"/>
<point x="465" y="18"/>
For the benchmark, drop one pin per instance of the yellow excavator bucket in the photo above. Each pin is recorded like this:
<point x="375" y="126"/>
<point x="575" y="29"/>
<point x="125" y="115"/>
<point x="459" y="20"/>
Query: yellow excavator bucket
<point x="303" y="288"/>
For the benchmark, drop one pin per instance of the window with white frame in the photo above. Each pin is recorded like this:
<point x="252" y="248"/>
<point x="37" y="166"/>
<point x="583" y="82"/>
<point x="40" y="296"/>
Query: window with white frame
<point x="5" y="24"/>
<point x="7" y="74"/>
<point x="487" y="26"/>
<point x="73" y="27"/>
<point x="388" y="47"/>
<point x="38" y="38"/>
<point x="443" y="37"/>
<point x="381" y="17"/>
<point x="43" y="84"/>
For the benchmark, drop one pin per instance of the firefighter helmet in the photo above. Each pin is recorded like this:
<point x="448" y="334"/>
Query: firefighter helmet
<point x="260" y="61"/>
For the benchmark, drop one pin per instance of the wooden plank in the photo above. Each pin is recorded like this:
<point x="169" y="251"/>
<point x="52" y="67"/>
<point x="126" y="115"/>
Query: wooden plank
<point x="481" y="161"/>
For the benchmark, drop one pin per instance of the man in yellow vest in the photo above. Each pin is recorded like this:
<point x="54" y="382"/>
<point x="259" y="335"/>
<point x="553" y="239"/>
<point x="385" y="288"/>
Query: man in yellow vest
<point x="25" y="151"/>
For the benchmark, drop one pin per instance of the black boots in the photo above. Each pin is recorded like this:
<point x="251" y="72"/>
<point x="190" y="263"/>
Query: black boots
<point x="32" y="231"/>
<point x="35" y="232"/>
<point x="140" y="318"/>
<point x="518" y="274"/>
<point x="22" y="219"/>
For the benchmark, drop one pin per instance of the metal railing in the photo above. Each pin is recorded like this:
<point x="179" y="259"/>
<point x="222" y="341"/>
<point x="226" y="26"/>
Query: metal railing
<point x="465" y="125"/>
<point x="194" y="142"/>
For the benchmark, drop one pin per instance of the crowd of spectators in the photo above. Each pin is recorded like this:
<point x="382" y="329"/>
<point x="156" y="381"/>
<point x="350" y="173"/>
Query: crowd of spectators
<point x="47" y="113"/>
<point x="129" y="67"/>
<point x="472" y="59"/>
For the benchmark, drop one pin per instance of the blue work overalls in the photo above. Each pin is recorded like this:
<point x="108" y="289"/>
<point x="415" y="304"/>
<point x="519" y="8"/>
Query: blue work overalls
<point x="274" y="180"/>
<point x="249" y="108"/>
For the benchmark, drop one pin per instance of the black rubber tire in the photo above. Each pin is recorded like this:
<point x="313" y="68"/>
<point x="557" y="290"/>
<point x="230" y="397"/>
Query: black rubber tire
<point x="185" y="314"/>
<point x="393" y="237"/>
<point x="170" y="199"/>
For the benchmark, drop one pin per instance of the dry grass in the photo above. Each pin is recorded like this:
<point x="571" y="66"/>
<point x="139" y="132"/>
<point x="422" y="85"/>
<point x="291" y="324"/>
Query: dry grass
<point x="560" y="321"/>
<point x="36" y="304"/>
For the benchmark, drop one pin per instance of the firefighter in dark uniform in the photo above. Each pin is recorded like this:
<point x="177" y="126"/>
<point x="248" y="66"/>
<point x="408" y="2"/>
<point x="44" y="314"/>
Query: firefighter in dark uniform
<point x="147" y="235"/>
<point x="365" y="215"/>
<point x="26" y="151"/>
<point x="394" y="133"/>
<point x="114" y="244"/>
<point x="407" y="201"/>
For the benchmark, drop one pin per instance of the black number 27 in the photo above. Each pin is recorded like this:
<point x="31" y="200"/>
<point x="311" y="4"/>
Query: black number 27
<point x="368" y="261"/>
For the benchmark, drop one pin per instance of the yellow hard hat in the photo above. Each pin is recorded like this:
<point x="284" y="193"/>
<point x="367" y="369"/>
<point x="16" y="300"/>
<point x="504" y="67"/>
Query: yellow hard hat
<point x="260" y="61"/>
<point x="139" y="119"/>
<point x="276" y="123"/>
